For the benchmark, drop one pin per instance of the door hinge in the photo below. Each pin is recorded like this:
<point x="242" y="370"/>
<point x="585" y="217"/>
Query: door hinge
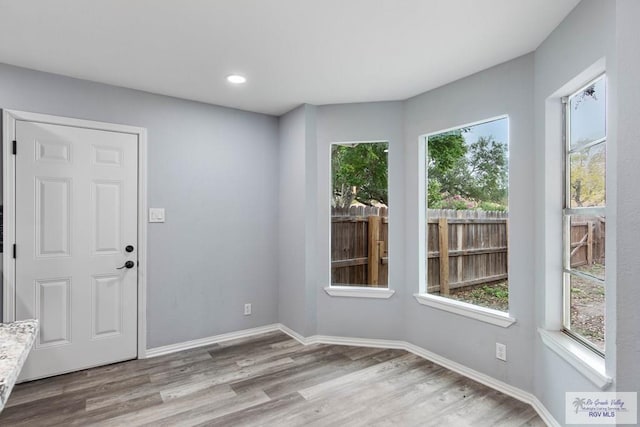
<point x="15" y="147"/>
<point x="14" y="251"/>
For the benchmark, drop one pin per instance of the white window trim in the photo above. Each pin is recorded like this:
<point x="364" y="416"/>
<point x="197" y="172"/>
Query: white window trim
<point x="359" y="292"/>
<point x="567" y="212"/>
<point x="585" y="361"/>
<point x="472" y="311"/>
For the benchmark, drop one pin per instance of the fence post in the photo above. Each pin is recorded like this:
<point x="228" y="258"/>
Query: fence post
<point x="443" y="234"/>
<point x="589" y="242"/>
<point x="459" y="233"/>
<point x="374" y="250"/>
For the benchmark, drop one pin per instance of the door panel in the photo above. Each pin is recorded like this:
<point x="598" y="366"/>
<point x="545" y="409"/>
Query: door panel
<point x="106" y="156"/>
<point x="107" y="212"/>
<point x="107" y="306"/>
<point x="53" y="151"/>
<point x="76" y="210"/>
<point x="52" y="225"/>
<point x="53" y="310"/>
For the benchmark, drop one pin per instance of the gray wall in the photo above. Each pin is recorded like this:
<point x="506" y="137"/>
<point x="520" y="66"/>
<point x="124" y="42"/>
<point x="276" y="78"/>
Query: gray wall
<point x="297" y="178"/>
<point x="579" y="49"/>
<point x="361" y="317"/>
<point x="628" y="202"/>
<point x="504" y="89"/>
<point x="215" y="170"/>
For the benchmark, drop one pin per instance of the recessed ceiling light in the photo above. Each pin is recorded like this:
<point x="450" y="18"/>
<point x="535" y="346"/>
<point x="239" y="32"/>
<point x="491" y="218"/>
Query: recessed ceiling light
<point x="236" y="79"/>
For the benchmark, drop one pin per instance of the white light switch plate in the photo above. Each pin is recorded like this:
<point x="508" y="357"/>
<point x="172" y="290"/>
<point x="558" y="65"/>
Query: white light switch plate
<point x="156" y="214"/>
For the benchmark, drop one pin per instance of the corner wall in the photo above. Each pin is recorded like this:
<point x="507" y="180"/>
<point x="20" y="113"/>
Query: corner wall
<point x="296" y="221"/>
<point x="361" y="317"/>
<point x="401" y="317"/>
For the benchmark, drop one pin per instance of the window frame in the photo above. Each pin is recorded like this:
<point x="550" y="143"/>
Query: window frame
<point x="472" y="311"/>
<point x="568" y="212"/>
<point x="361" y="290"/>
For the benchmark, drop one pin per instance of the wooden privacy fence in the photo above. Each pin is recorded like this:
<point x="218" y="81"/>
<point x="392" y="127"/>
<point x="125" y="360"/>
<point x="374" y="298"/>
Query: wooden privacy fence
<point x="587" y="240"/>
<point x="464" y="247"/>
<point x="359" y="245"/>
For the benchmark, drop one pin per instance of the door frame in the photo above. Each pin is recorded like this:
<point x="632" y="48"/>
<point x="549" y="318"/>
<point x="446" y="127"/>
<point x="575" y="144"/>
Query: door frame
<point x="9" y="118"/>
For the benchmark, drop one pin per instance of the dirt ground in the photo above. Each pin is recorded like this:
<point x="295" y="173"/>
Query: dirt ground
<point x="493" y="295"/>
<point x="587" y="306"/>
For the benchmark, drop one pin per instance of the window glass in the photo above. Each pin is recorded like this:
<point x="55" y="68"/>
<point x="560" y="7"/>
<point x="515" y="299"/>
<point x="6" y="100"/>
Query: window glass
<point x="588" y="114"/>
<point x="587" y="234"/>
<point x="467" y="214"/>
<point x="359" y="214"/>
<point x="585" y="215"/>
<point x="587" y="176"/>
<point x="587" y="310"/>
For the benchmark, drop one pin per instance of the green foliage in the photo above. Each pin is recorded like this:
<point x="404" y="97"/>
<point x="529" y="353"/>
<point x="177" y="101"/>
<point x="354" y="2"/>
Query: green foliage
<point x="499" y="291"/>
<point x="434" y="194"/>
<point x="359" y="172"/>
<point x="445" y="150"/>
<point x="490" y="206"/>
<point x="478" y="176"/>
<point x="488" y="168"/>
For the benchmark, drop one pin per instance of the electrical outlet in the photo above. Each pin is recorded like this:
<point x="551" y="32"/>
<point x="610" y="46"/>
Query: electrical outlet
<point x="247" y="309"/>
<point x="501" y="351"/>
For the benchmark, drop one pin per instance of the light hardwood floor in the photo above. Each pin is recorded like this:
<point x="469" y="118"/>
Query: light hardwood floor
<point x="269" y="380"/>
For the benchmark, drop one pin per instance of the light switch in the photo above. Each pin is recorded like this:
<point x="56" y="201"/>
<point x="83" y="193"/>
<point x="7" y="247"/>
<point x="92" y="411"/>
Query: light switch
<point x="156" y="214"/>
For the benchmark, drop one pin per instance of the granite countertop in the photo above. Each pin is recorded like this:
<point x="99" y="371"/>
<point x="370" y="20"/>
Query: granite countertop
<point x="16" y="340"/>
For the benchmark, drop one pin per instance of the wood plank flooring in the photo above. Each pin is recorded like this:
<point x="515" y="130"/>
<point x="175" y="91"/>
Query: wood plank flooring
<point x="267" y="380"/>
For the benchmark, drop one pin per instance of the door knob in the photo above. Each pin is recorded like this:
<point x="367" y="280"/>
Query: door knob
<point x="128" y="264"/>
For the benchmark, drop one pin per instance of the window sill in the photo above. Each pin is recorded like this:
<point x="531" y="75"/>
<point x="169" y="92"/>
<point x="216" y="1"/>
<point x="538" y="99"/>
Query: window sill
<point x="359" y="292"/>
<point x="582" y="359"/>
<point x="483" y="314"/>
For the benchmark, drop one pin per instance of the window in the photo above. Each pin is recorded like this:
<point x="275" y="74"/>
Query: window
<point x="359" y="214"/>
<point x="584" y="216"/>
<point x="467" y="173"/>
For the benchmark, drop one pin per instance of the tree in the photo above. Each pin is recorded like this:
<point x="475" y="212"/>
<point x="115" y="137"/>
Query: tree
<point x="479" y="175"/>
<point x="359" y="172"/>
<point x="444" y="151"/>
<point x="489" y="164"/>
<point x="588" y="177"/>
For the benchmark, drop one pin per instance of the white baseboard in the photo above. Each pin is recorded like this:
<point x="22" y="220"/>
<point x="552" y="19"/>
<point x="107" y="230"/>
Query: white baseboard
<point x="485" y="379"/>
<point x="187" y="345"/>
<point x="293" y="334"/>
<point x="544" y="413"/>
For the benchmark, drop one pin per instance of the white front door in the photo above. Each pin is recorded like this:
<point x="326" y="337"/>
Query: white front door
<point x="76" y="227"/>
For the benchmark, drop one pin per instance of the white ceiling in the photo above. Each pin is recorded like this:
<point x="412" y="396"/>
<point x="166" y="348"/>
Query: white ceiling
<point x="291" y="51"/>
